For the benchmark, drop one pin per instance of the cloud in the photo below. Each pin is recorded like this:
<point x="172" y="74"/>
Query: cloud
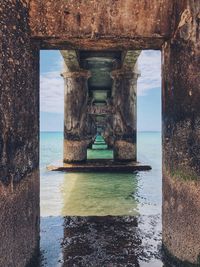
<point x="51" y="92"/>
<point x="150" y="67"/>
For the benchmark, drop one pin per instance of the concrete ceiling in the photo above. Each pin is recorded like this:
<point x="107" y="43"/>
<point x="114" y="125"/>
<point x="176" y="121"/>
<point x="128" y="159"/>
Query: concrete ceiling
<point x="100" y="64"/>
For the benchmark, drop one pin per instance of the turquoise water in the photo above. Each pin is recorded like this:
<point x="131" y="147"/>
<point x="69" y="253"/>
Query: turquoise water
<point x="64" y="195"/>
<point x="71" y="190"/>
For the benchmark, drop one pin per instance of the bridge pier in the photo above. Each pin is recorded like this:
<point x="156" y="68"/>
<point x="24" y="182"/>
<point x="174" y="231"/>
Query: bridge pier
<point x="28" y="27"/>
<point x="19" y="138"/>
<point x="108" y="134"/>
<point x="124" y="123"/>
<point x="181" y="139"/>
<point x="75" y="116"/>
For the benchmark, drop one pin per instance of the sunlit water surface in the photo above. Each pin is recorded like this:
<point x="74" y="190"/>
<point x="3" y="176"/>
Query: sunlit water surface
<point x="101" y="219"/>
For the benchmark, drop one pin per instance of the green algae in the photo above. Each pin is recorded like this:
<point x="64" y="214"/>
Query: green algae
<point x="185" y="175"/>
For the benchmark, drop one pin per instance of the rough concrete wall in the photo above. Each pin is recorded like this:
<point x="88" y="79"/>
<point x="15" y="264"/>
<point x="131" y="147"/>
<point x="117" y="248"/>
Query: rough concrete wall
<point x="19" y="178"/>
<point x="142" y="23"/>
<point x="19" y="222"/>
<point x="181" y="134"/>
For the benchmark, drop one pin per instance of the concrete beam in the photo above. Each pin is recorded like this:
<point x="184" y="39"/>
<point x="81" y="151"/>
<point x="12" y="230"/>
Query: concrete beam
<point x="133" y="24"/>
<point x="101" y="110"/>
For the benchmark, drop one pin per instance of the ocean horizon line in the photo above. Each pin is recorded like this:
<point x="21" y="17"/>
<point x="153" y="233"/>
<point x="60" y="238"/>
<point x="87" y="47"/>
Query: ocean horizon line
<point x="138" y="131"/>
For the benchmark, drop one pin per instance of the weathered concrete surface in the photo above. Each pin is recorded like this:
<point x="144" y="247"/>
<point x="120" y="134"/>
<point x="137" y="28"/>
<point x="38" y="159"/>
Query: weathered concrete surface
<point x="71" y="60"/>
<point x="181" y="95"/>
<point x="181" y="134"/>
<point x="75" y="116"/>
<point x="19" y="95"/>
<point x="132" y="23"/>
<point x="125" y="150"/>
<point x="75" y="98"/>
<point x="75" y="151"/>
<point x="124" y="119"/>
<point x="19" y="142"/>
<point x="181" y="216"/>
<point x="20" y="217"/>
<point x="78" y="123"/>
<point x="100" y="110"/>
<point x="108" y="133"/>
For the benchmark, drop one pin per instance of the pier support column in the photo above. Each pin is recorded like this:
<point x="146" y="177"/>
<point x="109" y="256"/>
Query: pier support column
<point x="181" y="137"/>
<point x="109" y="138"/>
<point x="75" y="116"/>
<point x="90" y="130"/>
<point x="19" y="138"/>
<point x="108" y="133"/>
<point x="124" y="123"/>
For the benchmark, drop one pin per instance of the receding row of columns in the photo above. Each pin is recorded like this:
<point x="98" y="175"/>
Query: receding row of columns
<point x="80" y="129"/>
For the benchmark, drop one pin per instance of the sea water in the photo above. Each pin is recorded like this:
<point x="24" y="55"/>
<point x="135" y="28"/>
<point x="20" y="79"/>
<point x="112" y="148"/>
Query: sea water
<point x="101" y="219"/>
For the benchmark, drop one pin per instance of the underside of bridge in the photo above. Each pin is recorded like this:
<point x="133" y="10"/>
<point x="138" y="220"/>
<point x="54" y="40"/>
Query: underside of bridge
<point x="100" y="98"/>
<point x="100" y="36"/>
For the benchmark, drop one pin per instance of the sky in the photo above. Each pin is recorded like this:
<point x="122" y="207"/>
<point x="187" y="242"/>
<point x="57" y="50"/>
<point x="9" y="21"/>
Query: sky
<point x="52" y="91"/>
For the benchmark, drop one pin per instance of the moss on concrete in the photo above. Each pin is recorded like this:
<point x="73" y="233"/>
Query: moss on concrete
<point x="185" y="175"/>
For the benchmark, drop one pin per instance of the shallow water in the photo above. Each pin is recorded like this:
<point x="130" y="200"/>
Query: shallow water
<point x="101" y="219"/>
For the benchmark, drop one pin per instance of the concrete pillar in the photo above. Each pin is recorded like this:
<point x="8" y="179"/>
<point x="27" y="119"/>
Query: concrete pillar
<point x="181" y="137"/>
<point x="108" y="132"/>
<point x="19" y="138"/>
<point x="109" y="139"/>
<point x="90" y="130"/>
<point x="75" y="116"/>
<point x="124" y="122"/>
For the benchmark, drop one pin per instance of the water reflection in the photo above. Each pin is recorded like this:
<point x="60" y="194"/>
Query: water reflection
<point x="101" y="241"/>
<point x="101" y="194"/>
<point x="110" y="241"/>
<point x="100" y="224"/>
<point x="100" y="219"/>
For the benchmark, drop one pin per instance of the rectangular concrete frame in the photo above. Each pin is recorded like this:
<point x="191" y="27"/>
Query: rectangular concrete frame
<point x="26" y="26"/>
